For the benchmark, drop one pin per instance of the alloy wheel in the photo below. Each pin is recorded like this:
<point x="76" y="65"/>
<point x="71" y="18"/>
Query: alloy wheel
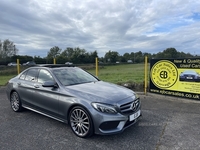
<point x="15" y="102"/>
<point x="80" y="122"/>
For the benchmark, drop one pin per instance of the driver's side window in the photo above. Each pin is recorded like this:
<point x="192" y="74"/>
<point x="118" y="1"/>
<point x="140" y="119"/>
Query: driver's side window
<point x="44" y="75"/>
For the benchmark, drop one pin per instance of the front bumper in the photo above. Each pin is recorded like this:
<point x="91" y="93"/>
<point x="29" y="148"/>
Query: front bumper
<point x="105" y="124"/>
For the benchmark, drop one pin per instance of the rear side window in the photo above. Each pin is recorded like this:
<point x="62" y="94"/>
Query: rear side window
<point x="31" y="74"/>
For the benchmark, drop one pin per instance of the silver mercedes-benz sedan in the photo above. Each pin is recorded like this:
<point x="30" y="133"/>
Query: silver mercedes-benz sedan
<point x="72" y="95"/>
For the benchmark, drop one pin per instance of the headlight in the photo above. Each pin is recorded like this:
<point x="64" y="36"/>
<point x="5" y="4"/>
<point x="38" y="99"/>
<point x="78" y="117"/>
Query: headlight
<point x="104" y="108"/>
<point x="136" y="96"/>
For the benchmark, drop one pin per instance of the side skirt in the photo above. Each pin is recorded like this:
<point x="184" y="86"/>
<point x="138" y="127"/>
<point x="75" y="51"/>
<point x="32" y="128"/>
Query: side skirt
<point x="44" y="114"/>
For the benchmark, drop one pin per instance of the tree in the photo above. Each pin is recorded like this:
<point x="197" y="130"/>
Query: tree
<point x="126" y="57"/>
<point x="68" y="54"/>
<point x="54" y="51"/>
<point x="7" y="49"/>
<point x="39" y="60"/>
<point x="138" y="57"/>
<point x="23" y="59"/>
<point x="132" y="57"/>
<point x="75" y="55"/>
<point x="111" y="56"/>
<point x="170" y="53"/>
<point x="92" y="56"/>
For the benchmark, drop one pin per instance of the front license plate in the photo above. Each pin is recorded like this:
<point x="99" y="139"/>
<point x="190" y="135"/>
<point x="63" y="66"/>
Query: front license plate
<point x="134" y="116"/>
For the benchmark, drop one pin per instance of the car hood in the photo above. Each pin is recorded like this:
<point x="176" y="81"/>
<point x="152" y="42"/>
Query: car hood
<point x="100" y="91"/>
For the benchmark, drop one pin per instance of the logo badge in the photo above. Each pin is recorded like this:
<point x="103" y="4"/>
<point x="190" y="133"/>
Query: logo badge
<point x="133" y="106"/>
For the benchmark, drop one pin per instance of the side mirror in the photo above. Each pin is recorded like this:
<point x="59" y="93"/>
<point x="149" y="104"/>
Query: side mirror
<point x="50" y="84"/>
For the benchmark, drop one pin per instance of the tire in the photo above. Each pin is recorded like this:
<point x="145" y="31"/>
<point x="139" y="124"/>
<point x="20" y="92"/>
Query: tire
<point x="81" y="122"/>
<point x="15" y="102"/>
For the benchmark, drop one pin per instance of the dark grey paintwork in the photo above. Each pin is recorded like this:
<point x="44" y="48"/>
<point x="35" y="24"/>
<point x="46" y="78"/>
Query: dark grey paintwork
<point x="55" y="100"/>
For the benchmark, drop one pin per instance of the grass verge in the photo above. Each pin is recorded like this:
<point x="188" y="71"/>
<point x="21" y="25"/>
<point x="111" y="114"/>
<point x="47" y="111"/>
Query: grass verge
<point x="4" y="79"/>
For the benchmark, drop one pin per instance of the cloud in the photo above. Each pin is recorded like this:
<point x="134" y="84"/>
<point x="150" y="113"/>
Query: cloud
<point x="124" y="26"/>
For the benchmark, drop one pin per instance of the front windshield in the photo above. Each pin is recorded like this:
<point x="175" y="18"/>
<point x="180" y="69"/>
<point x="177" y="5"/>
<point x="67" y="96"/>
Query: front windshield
<point x="72" y="75"/>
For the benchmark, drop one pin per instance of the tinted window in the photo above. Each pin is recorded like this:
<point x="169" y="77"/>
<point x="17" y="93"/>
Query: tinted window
<point x="31" y="74"/>
<point x="44" y="75"/>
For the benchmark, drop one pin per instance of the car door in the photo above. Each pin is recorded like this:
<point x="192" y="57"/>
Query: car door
<point x="46" y="98"/>
<point x="26" y="87"/>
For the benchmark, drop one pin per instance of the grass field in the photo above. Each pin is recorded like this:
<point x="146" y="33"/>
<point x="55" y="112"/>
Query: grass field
<point x="122" y="73"/>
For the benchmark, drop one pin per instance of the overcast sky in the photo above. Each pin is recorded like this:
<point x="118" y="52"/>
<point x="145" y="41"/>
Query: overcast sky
<point x="150" y="26"/>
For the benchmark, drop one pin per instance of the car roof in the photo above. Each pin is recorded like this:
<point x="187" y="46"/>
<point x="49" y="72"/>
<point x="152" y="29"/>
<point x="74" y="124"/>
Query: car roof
<point x="48" y="66"/>
<point x="51" y="66"/>
<point x="55" y="65"/>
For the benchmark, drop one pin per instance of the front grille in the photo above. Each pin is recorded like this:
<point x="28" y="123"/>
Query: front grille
<point x="130" y="107"/>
